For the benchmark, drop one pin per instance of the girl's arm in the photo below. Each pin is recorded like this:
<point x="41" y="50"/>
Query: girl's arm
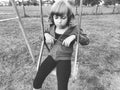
<point x="83" y="39"/>
<point x="48" y="37"/>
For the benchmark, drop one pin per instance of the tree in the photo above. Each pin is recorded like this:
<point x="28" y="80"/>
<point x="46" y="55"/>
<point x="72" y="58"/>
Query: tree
<point x="53" y="1"/>
<point x="10" y="4"/>
<point x="24" y="11"/>
<point x="34" y="2"/>
<point x="87" y="2"/>
<point x="75" y="3"/>
<point x="112" y="2"/>
<point x="91" y="2"/>
<point x="95" y="2"/>
<point x="108" y="2"/>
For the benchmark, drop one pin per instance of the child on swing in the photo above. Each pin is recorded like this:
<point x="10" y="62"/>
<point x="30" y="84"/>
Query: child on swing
<point x="62" y="35"/>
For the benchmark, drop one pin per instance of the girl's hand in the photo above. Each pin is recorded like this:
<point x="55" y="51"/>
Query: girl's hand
<point x="49" y="38"/>
<point x="68" y="40"/>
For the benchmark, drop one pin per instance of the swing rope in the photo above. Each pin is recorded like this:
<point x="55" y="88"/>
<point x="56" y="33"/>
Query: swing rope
<point x="22" y="29"/>
<point x="77" y="45"/>
<point x="43" y="39"/>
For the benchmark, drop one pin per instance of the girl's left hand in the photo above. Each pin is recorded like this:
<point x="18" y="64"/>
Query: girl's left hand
<point x="68" y="40"/>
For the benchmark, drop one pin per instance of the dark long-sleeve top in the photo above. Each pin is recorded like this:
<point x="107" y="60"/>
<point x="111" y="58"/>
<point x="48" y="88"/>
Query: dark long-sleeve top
<point x="61" y="52"/>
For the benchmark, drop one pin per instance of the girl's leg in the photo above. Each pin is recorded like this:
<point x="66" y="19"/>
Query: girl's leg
<point x="63" y="74"/>
<point x="45" y="68"/>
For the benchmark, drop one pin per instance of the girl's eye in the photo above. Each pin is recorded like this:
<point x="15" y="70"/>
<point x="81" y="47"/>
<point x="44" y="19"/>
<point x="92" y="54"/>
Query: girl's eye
<point x="64" y="17"/>
<point x="56" y="17"/>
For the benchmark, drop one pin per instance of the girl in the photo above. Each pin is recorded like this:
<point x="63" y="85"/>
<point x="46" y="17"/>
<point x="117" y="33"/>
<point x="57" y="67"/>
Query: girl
<point x="62" y="35"/>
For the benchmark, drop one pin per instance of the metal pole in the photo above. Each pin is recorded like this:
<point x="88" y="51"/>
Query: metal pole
<point x="40" y="55"/>
<point x="43" y="41"/>
<point x="3" y="20"/>
<point x="22" y="28"/>
<point x="77" y="45"/>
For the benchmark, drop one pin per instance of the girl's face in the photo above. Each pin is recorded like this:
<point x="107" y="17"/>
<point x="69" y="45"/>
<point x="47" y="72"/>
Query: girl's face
<point x="60" y="21"/>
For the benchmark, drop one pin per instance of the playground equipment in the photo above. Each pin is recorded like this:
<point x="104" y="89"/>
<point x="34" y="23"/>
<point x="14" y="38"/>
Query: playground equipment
<point x="43" y="40"/>
<point x="79" y="17"/>
<point x="3" y="20"/>
<point x="22" y="29"/>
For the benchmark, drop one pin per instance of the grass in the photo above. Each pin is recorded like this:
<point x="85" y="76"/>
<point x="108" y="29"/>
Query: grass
<point x="34" y="11"/>
<point x="99" y="64"/>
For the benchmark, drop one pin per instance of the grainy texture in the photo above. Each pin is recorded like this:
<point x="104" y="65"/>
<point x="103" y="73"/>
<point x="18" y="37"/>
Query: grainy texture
<point x="99" y="62"/>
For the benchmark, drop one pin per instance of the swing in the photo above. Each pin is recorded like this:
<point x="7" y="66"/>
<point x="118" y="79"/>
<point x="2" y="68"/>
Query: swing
<point x="24" y="35"/>
<point x="76" y="3"/>
<point x="74" y="74"/>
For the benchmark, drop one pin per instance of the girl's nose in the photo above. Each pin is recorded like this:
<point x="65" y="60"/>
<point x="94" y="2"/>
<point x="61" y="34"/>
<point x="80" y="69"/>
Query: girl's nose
<point x="59" y="20"/>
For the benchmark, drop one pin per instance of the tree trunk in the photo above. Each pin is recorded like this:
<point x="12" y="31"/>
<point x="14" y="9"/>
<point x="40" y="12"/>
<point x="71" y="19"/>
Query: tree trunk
<point x="76" y="11"/>
<point x="24" y="12"/>
<point x="114" y="9"/>
<point x="96" y="9"/>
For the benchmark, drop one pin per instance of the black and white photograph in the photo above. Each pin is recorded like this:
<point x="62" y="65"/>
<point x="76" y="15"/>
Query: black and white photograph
<point x="59" y="44"/>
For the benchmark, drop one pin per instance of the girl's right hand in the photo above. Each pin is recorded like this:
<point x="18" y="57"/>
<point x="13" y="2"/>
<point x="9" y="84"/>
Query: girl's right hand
<point x="49" y="38"/>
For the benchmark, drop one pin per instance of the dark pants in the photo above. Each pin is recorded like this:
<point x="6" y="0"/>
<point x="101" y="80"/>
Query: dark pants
<point x="63" y="72"/>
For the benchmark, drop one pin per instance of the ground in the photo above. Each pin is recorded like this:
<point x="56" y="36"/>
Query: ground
<point x="99" y="64"/>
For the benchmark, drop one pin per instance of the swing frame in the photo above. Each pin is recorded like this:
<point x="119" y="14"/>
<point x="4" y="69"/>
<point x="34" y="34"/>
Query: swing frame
<point x="22" y="29"/>
<point x="43" y="39"/>
<point x="74" y="75"/>
<point x="8" y="19"/>
<point x="77" y="45"/>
